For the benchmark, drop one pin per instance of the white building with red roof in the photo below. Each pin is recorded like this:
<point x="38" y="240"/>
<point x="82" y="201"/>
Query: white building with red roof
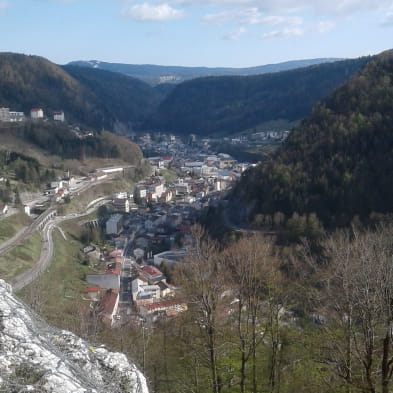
<point x="36" y="113"/>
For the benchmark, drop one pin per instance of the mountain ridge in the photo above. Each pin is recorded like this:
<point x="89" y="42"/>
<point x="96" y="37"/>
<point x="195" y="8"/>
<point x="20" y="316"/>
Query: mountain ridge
<point x="152" y="73"/>
<point x="230" y="104"/>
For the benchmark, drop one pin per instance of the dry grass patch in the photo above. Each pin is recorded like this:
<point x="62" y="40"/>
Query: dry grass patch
<point x="21" y="258"/>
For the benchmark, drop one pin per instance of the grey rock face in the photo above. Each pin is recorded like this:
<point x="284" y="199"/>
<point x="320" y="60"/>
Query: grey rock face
<point x="35" y="357"/>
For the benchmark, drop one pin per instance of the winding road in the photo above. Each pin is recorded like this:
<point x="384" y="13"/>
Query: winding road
<point x="47" y="249"/>
<point x="25" y="232"/>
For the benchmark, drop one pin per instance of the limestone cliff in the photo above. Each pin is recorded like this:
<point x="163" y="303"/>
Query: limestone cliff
<point x="35" y="357"/>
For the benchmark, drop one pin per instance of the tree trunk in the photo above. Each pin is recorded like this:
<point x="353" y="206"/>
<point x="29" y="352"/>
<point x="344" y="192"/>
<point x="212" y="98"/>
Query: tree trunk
<point x="216" y="387"/>
<point x="385" y="363"/>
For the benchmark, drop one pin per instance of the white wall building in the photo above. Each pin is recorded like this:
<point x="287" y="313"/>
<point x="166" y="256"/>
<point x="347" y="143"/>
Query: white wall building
<point x="17" y="116"/>
<point x="58" y="116"/>
<point x="36" y="113"/>
<point x="4" y="114"/>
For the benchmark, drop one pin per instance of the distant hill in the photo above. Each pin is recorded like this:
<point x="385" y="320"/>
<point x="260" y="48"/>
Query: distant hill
<point x="156" y="74"/>
<point x="32" y="81"/>
<point x="100" y="99"/>
<point x="32" y="154"/>
<point x="127" y="99"/>
<point x="230" y="104"/>
<point x="93" y="98"/>
<point x="338" y="163"/>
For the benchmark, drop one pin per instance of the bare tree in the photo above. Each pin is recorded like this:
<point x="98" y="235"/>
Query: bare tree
<point x="359" y="303"/>
<point x="246" y="262"/>
<point x="203" y="282"/>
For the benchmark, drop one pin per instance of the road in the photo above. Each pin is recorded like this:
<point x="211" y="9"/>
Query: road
<point x="46" y="255"/>
<point x="25" y="232"/>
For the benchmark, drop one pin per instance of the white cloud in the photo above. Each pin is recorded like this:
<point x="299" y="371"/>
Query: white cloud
<point x="234" y="35"/>
<point x="3" y="6"/>
<point x="388" y="19"/>
<point x="252" y="16"/>
<point x="325" y="26"/>
<point x="274" y="20"/>
<point x="148" y="12"/>
<point x="284" y="33"/>
<point x="323" y="7"/>
<point x="245" y="15"/>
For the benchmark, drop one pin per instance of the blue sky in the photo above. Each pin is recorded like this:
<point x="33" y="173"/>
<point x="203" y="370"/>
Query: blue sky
<point x="234" y="33"/>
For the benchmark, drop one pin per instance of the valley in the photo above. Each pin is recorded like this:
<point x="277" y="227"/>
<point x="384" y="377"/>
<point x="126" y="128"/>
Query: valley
<point x="235" y="239"/>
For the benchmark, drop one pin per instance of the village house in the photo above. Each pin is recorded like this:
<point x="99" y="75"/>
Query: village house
<point x="36" y="113"/>
<point x="16" y="117"/>
<point x="107" y="307"/>
<point x="93" y="292"/>
<point x="58" y="116"/>
<point x="121" y="204"/>
<point x="152" y="274"/>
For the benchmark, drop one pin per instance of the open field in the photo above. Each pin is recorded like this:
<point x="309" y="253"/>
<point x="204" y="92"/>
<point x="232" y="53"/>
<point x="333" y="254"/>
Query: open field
<point x="57" y="294"/>
<point x="21" y="257"/>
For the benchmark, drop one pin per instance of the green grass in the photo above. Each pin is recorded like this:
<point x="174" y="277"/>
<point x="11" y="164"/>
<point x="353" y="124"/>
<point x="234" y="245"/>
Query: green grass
<point x="21" y="257"/>
<point x="9" y="226"/>
<point x="62" y="284"/>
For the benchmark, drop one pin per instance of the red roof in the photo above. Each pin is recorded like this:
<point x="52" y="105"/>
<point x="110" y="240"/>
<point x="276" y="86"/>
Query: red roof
<point x="35" y="109"/>
<point x="151" y="271"/>
<point x="113" y="271"/>
<point x="167" y="158"/>
<point x="92" y="289"/>
<point x="108" y="302"/>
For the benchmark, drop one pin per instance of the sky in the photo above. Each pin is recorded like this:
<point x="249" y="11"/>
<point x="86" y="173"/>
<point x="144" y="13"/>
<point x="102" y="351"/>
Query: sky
<point x="231" y="33"/>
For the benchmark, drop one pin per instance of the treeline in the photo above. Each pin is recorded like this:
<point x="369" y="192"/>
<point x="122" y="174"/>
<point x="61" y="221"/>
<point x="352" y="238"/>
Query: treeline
<point x="338" y="162"/>
<point x="20" y="168"/>
<point x="231" y="104"/>
<point x="261" y="319"/>
<point x="57" y="139"/>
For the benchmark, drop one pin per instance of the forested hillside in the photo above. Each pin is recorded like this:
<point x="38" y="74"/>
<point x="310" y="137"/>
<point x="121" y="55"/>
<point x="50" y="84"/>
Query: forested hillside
<point x="235" y="103"/>
<point x="89" y="97"/>
<point x="338" y="163"/>
<point x="129" y="99"/>
<point x="32" y="81"/>
<point x="215" y="105"/>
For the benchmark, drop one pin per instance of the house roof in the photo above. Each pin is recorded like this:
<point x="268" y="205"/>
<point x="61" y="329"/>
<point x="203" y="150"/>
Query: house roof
<point x="92" y="289"/>
<point x="113" y="271"/>
<point x="106" y="281"/>
<point x="151" y="271"/>
<point x="107" y="303"/>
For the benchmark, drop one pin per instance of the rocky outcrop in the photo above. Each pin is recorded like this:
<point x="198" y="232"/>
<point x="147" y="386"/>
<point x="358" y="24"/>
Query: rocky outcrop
<point x="38" y="358"/>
